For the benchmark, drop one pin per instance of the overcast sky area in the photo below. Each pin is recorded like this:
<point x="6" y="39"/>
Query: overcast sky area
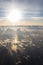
<point x="29" y="8"/>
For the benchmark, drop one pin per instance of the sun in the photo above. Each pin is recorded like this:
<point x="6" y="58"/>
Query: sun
<point x="14" y="15"/>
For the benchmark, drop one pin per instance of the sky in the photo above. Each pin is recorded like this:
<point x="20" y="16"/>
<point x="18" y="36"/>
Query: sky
<point x="31" y="9"/>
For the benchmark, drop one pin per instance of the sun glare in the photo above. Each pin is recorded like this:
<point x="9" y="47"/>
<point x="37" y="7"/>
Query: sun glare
<point x="14" y="15"/>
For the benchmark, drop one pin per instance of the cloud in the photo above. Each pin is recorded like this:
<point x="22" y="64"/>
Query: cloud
<point x="28" y="4"/>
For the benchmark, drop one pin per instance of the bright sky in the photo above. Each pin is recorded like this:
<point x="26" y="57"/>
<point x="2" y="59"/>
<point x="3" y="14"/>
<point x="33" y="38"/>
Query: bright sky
<point x="31" y="9"/>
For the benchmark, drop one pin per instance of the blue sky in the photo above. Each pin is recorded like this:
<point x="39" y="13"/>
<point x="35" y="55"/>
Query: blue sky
<point x="29" y="8"/>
